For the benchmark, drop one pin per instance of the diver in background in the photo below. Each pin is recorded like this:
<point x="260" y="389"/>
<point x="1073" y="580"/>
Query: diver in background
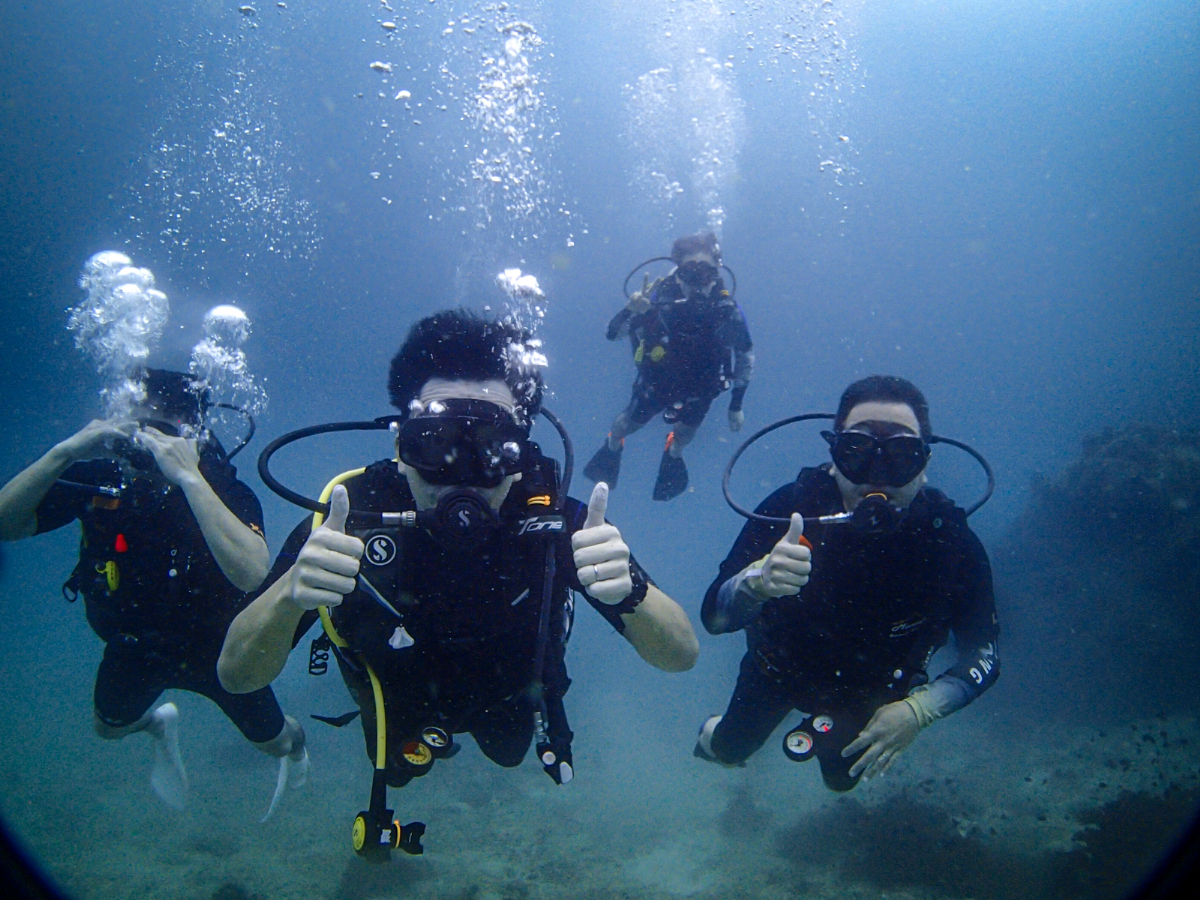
<point x="172" y="542"/>
<point x="690" y="342"/>
<point x="449" y="618"/>
<point x="841" y="621"/>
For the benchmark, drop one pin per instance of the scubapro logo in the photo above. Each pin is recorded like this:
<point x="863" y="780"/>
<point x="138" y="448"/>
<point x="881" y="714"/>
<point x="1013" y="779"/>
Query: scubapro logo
<point x="381" y="550"/>
<point x="465" y="518"/>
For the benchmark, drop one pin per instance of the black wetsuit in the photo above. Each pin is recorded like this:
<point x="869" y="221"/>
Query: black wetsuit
<point x="472" y="619"/>
<point x="687" y="352"/>
<point x="861" y="632"/>
<point x="164" y="620"/>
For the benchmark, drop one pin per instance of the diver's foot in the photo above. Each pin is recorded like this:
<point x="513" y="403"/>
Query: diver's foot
<point x="604" y="466"/>
<point x="293" y="773"/>
<point x="672" y="477"/>
<point x="168" y="778"/>
<point x="298" y="767"/>
<point x="703" y="749"/>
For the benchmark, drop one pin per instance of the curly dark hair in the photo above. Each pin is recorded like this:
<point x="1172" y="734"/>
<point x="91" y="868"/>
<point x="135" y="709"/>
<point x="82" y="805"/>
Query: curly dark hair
<point x="884" y="389"/>
<point x="460" y="344"/>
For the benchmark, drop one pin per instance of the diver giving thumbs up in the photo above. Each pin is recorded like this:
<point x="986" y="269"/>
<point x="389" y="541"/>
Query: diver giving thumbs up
<point x="601" y="556"/>
<point x="327" y="564"/>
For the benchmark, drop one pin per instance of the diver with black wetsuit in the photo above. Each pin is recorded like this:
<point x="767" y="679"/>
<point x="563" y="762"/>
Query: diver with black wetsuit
<point x="841" y="621"/>
<point x="690" y="343"/>
<point x="171" y="543"/>
<point x="443" y="578"/>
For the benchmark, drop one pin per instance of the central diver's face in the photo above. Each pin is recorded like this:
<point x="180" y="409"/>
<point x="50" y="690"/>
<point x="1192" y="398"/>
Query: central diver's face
<point x="493" y="390"/>
<point x="703" y="261"/>
<point x="890" y="417"/>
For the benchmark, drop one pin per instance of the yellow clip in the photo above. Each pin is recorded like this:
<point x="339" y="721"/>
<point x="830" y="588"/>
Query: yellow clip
<point x="111" y="574"/>
<point x="539" y="500"/>
<point x="637" y="354"/>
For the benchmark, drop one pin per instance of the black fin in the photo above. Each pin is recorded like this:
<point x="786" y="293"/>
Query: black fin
<point x="338" y="721"/>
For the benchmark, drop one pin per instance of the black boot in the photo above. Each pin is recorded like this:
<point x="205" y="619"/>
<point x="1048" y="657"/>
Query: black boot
<point x="672" y="477"/>
<point x="604" y="466"/>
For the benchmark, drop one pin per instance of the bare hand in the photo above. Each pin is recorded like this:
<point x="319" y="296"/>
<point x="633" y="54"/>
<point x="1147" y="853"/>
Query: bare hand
<point x="639" y="301"/>
<point x="96" y="437"/>
<point x="786" y="570"/>
<point x="892" y="728"/>
<point x="601" y="556"/>
<point x="327" y="566"/>
<point x="736" y="419"/>
<point x="177" y="458"/>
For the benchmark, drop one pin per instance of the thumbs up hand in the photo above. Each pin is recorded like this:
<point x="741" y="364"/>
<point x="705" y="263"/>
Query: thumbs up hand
<point x="327" y="564"/>
<point x="785" y="570"/>
<point x="601" y="556"/>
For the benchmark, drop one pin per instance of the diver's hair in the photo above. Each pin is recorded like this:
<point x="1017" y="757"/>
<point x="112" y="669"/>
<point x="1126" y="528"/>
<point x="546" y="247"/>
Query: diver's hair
<point x="884" y="389"/>
<point x="459" y="344"/>
<point x="176" y="395"/>
<point x="704" y="242"/>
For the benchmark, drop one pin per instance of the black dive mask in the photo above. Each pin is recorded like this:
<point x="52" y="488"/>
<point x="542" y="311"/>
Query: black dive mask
<point x="462" y="520"/>
<point x="696" y="273"/>
<point x="891" y="460"/>
<point x="463" y="442"/>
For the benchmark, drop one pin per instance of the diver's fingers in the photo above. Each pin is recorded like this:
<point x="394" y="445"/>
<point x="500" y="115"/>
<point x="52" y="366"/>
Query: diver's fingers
<point x="339" y="509"/>
<point x="597" y="506"/>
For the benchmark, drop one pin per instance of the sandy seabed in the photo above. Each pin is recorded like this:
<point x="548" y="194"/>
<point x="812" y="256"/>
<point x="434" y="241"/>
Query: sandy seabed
<point x="983" y="805"/>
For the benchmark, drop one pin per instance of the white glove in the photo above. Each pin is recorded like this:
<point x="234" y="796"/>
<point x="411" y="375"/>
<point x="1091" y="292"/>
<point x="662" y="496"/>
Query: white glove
<point x="736" y="419"/>
<point x="601" y="557"/>
<point x="785" y="570"/>
<point x="327" y="566"/>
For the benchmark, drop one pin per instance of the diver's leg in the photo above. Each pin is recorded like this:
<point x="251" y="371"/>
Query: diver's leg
<point x="260" y="720"/>
<point x="672" y="470"/>
<point x="127" y="684"/>
<point x="828" y="744"/>
<point x="605" y="465"/>
<point x="503" y="731"/>
<point x="755" y="710"/>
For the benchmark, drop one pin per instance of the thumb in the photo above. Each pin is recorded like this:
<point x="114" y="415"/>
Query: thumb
<point x="597" y="506"/>
<point x="339" y="509"/>
<point x="645" y="283"/>
<point x="795" y="530"/>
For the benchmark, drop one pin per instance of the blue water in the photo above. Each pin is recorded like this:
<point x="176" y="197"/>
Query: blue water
<point x="1011" y="221"/>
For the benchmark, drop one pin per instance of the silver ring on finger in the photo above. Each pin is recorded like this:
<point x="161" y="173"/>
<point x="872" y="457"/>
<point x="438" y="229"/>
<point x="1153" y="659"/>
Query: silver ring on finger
<point x="595" y="574"/>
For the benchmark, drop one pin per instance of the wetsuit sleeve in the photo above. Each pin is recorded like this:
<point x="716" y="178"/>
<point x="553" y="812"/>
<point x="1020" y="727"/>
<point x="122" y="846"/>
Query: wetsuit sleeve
<point x="737" y="338"/>
<point x="976" y="634"/>
<point x="64" y="504"/>
<point x="726" y="607"/>
<point x="575" y="513"/>
<point x="619" y="326"/>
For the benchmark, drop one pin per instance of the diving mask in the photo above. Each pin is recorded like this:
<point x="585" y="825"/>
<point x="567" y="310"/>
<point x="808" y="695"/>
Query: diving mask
<point x="463" y="442"/>
<point x="696" y="273"/>
<point x="892" y="459"/>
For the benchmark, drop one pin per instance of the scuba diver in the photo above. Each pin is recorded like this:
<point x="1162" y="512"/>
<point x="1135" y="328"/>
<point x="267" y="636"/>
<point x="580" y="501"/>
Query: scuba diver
<point x="443" y="577"/>
<point x="690" y="343"/>
<point x="846" y="590"/>
<point x="172" y="542"/>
